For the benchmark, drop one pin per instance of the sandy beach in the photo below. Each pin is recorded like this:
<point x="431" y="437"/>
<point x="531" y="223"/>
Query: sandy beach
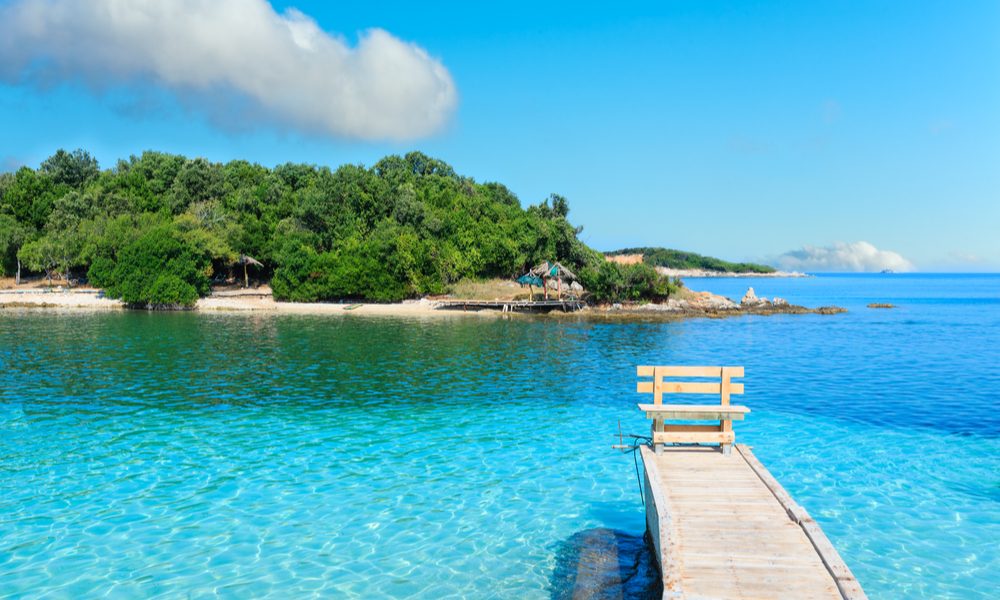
<point x="254" y="300"/>
<point x="692" y="304"/>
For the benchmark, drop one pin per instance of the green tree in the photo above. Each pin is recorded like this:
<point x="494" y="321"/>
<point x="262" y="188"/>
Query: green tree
<point x="613" y="282"/>
<point x="160" y="269"/>
<point x="41" y="255"/>
<point x="12" y="236"/>
<point x="30" y="197"/>
<point x="71" y="168"/>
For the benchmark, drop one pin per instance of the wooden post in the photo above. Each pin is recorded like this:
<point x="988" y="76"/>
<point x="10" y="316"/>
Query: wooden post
<point x="725" y="425"/>
<point x="657" y="399"/>
<point x="18" y="282"/>
<point x="246" y="278"/>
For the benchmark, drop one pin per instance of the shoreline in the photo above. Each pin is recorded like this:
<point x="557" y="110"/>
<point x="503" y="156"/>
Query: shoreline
<point x="253" y="301"/>
<point x="690" y="305"/>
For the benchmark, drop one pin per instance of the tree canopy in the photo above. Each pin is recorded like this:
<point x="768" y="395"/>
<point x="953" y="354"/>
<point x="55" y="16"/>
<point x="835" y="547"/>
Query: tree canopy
<point x="154" y="229"/>
<point x="679" y="259"/>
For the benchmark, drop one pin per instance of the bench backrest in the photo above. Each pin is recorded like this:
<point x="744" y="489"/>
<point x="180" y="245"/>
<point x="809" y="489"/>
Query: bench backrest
<point x="721" y="434"/>
<point x="658" y="386"/>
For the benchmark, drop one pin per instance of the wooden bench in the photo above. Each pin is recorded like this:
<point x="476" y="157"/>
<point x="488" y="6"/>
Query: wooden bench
<point x="723" y="412"/>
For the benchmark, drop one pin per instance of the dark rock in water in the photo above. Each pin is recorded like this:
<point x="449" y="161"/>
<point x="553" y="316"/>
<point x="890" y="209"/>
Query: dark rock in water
<point x="881" y="305"/>
<point x="605" y="564"/>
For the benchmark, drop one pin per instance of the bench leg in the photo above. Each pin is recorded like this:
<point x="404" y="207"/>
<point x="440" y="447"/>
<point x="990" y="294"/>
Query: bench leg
<point x="657" y="426"/>
<point x="725" y="426"/>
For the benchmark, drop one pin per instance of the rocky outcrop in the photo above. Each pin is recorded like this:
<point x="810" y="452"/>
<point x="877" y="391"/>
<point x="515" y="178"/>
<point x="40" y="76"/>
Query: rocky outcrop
<point x="750" y="300"/>
<point x="706" y="304"/>
<point x="695" y="302"/>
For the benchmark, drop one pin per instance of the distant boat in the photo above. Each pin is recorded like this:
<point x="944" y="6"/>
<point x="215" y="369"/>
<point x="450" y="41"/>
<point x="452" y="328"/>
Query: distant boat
<point x="887" y="272"/>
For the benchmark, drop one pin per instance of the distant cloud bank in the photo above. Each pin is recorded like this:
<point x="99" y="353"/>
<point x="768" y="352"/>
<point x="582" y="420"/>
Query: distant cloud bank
<point x="841" y="257"/>
<point x="966" y="258"/>
<point x="236" y="60"/>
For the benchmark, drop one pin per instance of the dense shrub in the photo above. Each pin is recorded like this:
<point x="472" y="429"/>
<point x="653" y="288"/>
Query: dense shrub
<point x="158" y="269"/>
<point x="613" y="282"/>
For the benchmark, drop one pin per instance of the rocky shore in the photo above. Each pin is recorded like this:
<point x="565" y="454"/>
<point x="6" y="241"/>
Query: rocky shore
<point x="706" y="304"/>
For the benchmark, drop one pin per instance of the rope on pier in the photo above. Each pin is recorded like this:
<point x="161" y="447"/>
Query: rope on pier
<point x="633" y="447"/>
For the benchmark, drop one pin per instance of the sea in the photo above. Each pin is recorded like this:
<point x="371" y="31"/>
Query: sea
<point x="265" y="455"/>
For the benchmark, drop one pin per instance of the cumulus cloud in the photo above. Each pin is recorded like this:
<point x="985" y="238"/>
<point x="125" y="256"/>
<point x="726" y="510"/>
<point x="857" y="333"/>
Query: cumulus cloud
<point x="842" y="257"/>
<point x="239" y="61"/>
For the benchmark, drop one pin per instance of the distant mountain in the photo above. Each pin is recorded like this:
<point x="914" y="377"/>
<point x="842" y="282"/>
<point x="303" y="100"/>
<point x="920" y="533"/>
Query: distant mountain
<point x="678" y="259"/>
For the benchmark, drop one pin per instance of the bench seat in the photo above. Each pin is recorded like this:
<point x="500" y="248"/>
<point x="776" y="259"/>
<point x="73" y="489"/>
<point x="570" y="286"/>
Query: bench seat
<point x="692" y="412"/>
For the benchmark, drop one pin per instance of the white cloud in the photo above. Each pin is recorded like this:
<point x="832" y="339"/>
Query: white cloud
<point x="842" y="257"/>
<point x="237" y="60"/>
<point x="962" y="256"/>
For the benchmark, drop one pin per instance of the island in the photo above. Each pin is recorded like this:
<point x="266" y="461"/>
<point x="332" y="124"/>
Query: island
<point x="163" y="231"/>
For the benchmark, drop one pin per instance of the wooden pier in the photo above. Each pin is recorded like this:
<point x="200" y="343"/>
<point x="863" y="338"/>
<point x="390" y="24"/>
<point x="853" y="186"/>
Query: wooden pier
<point x="514" y="305"/>
<point x="723" y="527"/>
<point x="720" y="524"/>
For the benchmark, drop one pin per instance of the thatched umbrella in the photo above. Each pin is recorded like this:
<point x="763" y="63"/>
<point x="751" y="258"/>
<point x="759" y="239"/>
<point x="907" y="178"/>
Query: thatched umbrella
<point x="247" y="260"/>
<point x="548" y="269"/>
<point x="531" y="280"/>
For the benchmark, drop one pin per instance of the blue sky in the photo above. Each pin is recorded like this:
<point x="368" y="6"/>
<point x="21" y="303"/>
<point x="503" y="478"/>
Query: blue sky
<point x="824" y="136"/>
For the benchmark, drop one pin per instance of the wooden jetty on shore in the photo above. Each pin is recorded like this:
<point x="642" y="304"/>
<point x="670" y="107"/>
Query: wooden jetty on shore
<point x="514" y="305"/>
<point x="721" y="525"/>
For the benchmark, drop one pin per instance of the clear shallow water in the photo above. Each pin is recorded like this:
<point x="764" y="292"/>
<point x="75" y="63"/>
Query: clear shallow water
<point x="287" y="456"/>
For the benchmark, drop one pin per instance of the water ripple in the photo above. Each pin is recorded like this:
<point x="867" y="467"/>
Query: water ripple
<point x="286" y="456"/>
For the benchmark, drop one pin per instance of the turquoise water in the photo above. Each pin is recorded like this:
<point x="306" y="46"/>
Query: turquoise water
<point x="295" y="456"/>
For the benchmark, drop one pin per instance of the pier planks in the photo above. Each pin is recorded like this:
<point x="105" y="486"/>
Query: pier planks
<point x="734" y="532"/>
